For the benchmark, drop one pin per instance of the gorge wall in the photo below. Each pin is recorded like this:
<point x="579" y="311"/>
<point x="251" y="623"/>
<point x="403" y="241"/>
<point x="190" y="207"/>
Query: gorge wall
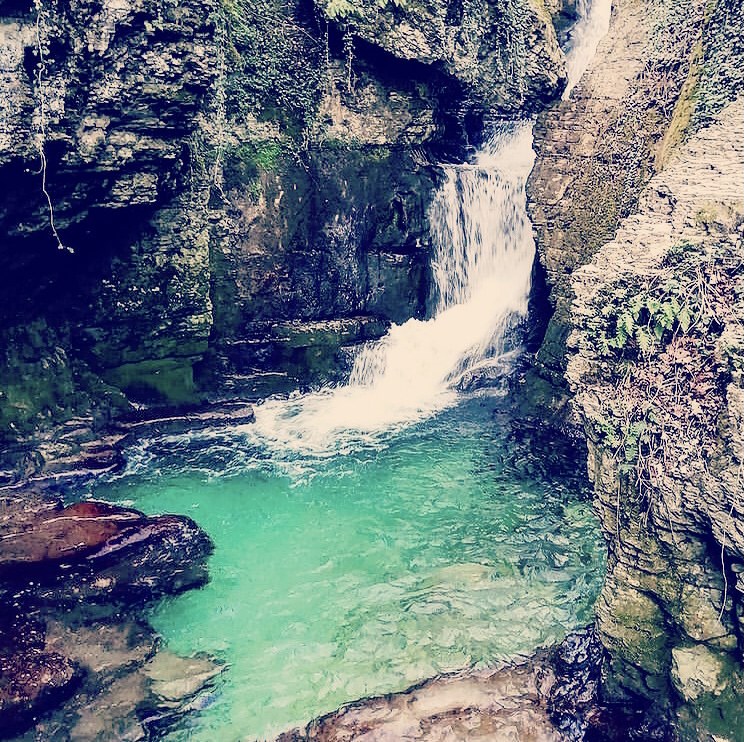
<point x="213" y="200"/>
<point x="639" y="180"/>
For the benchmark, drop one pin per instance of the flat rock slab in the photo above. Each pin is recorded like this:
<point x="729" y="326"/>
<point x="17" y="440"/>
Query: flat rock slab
<point x="507" y="704"/>
<point x="174" y="679"/>
<point x="169" y="421"/>
<point x="62" y="534"/>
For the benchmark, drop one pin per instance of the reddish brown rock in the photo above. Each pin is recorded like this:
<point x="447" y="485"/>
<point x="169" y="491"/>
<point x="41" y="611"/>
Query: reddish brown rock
<point x="32" y="680"/>
<point x="96" y="552"/>
<point x="63" y="535"/>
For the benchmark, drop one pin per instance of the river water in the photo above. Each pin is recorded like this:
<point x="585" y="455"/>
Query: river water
<point x="374" y="534"/>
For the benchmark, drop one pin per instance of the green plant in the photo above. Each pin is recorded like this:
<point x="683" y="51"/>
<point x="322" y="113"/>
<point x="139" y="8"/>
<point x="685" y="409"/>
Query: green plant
<point x="275" y="69"/>
<point x="345" y="9"/>
<point x="658" y="343"/>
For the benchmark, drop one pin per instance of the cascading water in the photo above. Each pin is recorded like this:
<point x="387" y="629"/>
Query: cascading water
<point x="401" y="560"/>
<point x="483" y="252"/>
<point x="594" y="20"/>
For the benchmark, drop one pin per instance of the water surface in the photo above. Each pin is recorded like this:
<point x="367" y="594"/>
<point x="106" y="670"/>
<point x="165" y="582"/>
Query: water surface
<point x="339" y="577"/>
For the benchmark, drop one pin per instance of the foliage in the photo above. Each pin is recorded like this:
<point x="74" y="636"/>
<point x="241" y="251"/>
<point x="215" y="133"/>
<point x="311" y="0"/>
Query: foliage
<point x="641" y="317"/>
<point x="275" y="63"/>
<point x="657" y="341"/>
<point x="344" y="9"/>
<point x="242" y="165"/>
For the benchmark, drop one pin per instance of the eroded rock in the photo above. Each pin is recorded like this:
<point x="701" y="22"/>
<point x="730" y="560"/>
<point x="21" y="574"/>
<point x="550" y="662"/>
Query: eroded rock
<point x="69" y="576"/>
<point x="661" y="403"/>
<point x="552" y="697"/>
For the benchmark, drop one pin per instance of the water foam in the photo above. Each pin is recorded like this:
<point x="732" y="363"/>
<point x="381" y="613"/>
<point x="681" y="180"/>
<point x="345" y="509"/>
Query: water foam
<point x="483" y="249"/>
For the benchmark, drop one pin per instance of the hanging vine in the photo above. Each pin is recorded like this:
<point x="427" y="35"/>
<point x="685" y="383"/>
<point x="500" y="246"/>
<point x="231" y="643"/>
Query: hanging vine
<point x="220" y="105"/>
<point x="42" y="50"/>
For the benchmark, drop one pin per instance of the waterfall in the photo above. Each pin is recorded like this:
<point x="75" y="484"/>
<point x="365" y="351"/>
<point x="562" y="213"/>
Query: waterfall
<point x="483" y="250"/>
<point x="587" y="32"/>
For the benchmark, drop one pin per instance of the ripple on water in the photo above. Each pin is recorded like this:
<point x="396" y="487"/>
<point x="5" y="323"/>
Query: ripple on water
<point x="351" y="575"/>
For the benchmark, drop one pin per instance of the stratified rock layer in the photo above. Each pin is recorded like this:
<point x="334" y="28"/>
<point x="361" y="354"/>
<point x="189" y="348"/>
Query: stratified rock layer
<point x="598" y="149"/>
<point x="658" y="356"/>
<point x="504" y="53"/>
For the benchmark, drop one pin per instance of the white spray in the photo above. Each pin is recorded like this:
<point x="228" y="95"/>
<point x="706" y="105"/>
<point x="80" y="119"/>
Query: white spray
<point x="483" y="253"/>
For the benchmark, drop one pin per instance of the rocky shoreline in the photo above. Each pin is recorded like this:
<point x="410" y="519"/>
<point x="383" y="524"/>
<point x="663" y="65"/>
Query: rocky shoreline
<point x="74" y="582"/>
<point x="552" y="696"/>
<point x="79" y="661"/>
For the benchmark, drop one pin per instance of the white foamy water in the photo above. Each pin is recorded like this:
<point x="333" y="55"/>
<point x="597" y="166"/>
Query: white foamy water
<point x="483" y="253"/>
<point x="594" y="21"/>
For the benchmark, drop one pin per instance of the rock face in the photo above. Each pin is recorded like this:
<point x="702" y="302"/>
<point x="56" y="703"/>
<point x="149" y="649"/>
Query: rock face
<point x="654" y="352"/>
<point x="216" y="199"/>
<point x="638" y="180"/>
<point x="70" y="580"/>
<point x="32" y="680"/>
<point x="95" y="552"/>
<point x="598" y="149"/>
<point x="504" y="53"/>
<point x="657" y="374"/>
<point x="535" y="701"/>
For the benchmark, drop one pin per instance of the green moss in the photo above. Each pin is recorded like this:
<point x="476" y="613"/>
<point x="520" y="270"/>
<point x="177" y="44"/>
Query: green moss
<point x="165" y="380"/>
<point x="242" y="165"/>
<point x="634" y="628"/>
<point x="683" y="109"/>
<point x="40" y="386"/>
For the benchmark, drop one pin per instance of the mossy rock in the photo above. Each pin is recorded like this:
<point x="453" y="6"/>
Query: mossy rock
<point x="167" y="380"/>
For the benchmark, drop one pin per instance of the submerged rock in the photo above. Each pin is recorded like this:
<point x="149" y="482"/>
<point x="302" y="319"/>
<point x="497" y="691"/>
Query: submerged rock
<point x="551" y="697"/>
<point x="32" y="683"/>
<point x="176" y="679"/>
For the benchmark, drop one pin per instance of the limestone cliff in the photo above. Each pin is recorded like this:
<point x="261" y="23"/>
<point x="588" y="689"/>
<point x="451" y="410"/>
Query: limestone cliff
<point x="504" y="52"/>
<point x="655" y="211"/>
<point x="598" y="149"/>
<point x="657" y="372"/>
<point x="213" y="199"/>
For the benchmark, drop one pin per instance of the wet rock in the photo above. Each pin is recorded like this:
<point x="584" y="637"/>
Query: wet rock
<point x="156" y="556"/>
<point x="550" y="697"/>
<point x="573" y="701"/>
<point x="32" y="683"/>
<point x="32" y="679"/>
<point x="175" y="680"/>
<point x="111" y="714"/>
<point x="94" y="552"/>
<point x="69" y="578"/>
<point x="105" y="650"/>
<point x="64" y="535"/>
<point x="161" y="421"/>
